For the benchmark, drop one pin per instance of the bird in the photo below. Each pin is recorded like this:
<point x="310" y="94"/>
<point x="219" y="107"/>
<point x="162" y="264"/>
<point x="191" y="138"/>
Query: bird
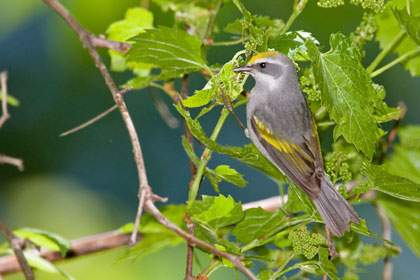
<point x="281" y="126"/>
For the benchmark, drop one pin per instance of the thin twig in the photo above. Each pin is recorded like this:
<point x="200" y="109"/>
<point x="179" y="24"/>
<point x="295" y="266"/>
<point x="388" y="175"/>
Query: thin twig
<point x="85" y="38"/>
<point x="325" y="277"/>
<point x="15" y="244"/>
<point x="102" y="42"/>
<point x="331" y="248"/>
<point x="89" y="122"/>
<point x="97" y="118"/>
<point x="387" y="234"/>
<point x="193" y="241"/>
<point x="79" y="247"/>
<point x="13" y="161"/>
<point x="5" y="113"/>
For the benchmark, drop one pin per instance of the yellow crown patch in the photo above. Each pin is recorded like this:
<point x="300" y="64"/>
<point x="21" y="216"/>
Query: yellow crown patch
<point x="261" y="55"/>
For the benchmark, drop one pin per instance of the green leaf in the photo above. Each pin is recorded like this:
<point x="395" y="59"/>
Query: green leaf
<point x="172" y="50"/>
<point x="345" y="91"/>
<point x="136" y="21"/>
<point x="10" y="99"/>
<point x="200" y="98"/>
<point x="405" y="217"/>
<point x="257" y="223"/>
<point x="405" y="163"/>
<point x="265" y="275"/>
<point x="44" y="239"/>
<point x="44" y="265"/>
<point x="215" y="212"/>
<point x="393" y="185"/>
<point x="247" y="154"/>
<point x="326" y="265"/>
<point x="293" y="44"/>
<point x="410" y="136"/>
<point x="410" y="24"/>
<point x="388" y="28"/>
<point x="230" y="175"/>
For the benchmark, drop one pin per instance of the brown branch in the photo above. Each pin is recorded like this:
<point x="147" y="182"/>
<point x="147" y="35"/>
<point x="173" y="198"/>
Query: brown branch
<point x="102" y="42"/>
<point x="5" y="113"/>
<point x="85" y="38"/>
<point x="16" y="244"/>
<point x="387" y="234"/>
<point x="13" y="161"/>
<point x="79" y="247"/>
<point x="193" y="241"/>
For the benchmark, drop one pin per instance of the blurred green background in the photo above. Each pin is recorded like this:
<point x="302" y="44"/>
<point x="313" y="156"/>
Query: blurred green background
<point x="86" y="183"/>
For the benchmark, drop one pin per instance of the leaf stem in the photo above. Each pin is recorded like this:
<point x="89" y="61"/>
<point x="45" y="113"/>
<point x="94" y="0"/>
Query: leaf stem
<point x="227" y="43"/>
<point x="279" y="271"/>
<point x="395" y="61"/>
<point x="205" y="157"/>
<point x="298" y="7"/>
<point x="207" y="68"/>
<point x="211" y="20"/>
<point x="388" y="48"/>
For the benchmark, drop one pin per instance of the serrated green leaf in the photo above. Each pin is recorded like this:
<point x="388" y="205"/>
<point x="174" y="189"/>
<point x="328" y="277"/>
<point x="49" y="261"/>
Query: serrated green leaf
<point x="257" y="223"/>
<point x="388" y="28"/>
<point x="200" y="98"/>
<point x="247" y="154"/>
<point x="136" y="20"/>
<point x="405" y="217"/>
<point x="405" y="163"/>
<point x="172" y="50"/>
<point x="409" y="23"/>
<point x="345" y="90"/>
<point x="10" y="99"/>
<point x="292" y="44"/>
<point x="230" y="175"/>
<point x="44" y="265"/>
<point x="44" y="239"/>
<point x="216" y="212"/>
<point x="393" y="185"/>
<point x="265" y="275"/>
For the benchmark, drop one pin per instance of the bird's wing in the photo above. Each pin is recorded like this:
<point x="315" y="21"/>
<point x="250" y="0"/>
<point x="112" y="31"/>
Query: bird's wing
<point x="302" y="162"/>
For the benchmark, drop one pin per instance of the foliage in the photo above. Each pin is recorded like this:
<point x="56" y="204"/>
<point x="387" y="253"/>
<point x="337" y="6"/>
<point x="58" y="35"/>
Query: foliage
<point x="342" y="96"/>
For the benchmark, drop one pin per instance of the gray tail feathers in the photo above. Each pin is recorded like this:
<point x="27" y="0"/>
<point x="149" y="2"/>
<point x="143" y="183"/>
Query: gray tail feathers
<point x="335" y="211"/>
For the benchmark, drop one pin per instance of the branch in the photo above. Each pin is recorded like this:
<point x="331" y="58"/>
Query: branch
<point x="102" y="42"/>
<point x="79" y="247"/>
<point x="13" y="161"/>
<point x="15" y="244"/>
<point x="387" y="234"/>
<point x="193" y="241"/>
<point x="86" y="39"/>
<point x="5" y="115"/>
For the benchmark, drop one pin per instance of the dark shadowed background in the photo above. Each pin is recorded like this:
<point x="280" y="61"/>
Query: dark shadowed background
<point x="87" y="183"/>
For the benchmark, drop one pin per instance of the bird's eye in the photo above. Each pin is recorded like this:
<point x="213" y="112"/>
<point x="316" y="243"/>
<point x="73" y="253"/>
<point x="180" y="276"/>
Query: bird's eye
<point x="263" y="65"/>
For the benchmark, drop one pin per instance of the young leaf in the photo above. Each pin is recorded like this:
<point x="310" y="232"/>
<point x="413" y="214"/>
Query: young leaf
<point x="44" y="239"/>
<point x="10" y="100"/>
<point x="136" y="20"/>
<point x="393" y="185"/>
<point x="257" y="223"/>
<point x="405" y="162"/>
<point x="216" y="212"/>
<point x="293" y="44"/>
<point x="410" y="136"/>
<point x="326" y="265"/>
<point x="345" y="91"/>
<point x="405" y="217"/>
<point x="200" y="98"/>
<point x="230" y="175"/>
<point x="44" y="265"/>
<point x="172" y="50"/>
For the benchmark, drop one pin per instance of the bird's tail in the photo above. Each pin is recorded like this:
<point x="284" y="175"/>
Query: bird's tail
<point x="335" y="211"/>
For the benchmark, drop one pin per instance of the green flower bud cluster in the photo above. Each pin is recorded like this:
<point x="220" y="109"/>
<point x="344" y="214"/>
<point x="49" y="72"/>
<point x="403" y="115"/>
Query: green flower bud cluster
<point x="337" y="167"/>
<point x="349" y="275"/>
<point x="304" y="243"/>
<point x="371" y="253"/>
<point x="376" y="6"/>
<point x="252" y="45"/>
<point x="365" y="31"/>
<point x="330" y="3"/>
<point x="308" y="86"/>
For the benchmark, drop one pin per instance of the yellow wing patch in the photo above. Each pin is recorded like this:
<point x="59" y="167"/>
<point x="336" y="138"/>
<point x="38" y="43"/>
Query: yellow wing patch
<point x="290" y="149"/>
<point x="261" y="55"/>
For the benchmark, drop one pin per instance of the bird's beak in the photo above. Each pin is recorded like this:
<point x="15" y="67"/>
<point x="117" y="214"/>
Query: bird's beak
<point x="242" y="69"/>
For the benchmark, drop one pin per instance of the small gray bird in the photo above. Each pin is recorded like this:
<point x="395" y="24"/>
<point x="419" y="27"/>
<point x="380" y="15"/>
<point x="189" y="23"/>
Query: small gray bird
<point x="281" y="126"/>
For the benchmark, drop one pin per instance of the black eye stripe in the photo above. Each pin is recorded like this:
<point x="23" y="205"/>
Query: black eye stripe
<point x="263" y="65"/>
